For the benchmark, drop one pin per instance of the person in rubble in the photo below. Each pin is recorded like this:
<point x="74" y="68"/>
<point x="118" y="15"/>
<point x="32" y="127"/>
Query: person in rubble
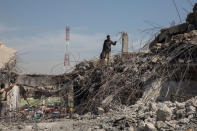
<point x="106" y="52"/>
<point x="13" y="96"/>
<point x="3" y="98"/>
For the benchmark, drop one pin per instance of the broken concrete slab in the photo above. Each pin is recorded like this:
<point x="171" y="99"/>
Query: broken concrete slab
<point x="163" y="113"/>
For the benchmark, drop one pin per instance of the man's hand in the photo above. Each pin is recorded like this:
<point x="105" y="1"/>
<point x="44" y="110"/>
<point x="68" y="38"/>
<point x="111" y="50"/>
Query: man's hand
<point x="115" y="42"/>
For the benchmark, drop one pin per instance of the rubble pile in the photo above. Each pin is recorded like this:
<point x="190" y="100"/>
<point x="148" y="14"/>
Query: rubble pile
<point x="150" y="116"/>
<point x="125" y="80"/>
<point x="127" y="77"/>
<point x="165" y="115"/>
<point x="118" y="83"/>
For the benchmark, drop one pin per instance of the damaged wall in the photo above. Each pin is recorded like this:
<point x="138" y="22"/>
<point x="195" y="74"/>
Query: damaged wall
<point x="7" y="63"/>
<point x="7" y="57"/>
<point x="36" y="80"/>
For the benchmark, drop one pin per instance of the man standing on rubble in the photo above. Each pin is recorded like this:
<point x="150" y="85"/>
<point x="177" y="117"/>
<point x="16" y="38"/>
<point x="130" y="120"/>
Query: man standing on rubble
<point x="106" y="52"/>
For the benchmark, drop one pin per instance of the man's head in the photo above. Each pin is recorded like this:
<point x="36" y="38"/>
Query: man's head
<point x="12" y="81"/>
<point x="108" y="37"/>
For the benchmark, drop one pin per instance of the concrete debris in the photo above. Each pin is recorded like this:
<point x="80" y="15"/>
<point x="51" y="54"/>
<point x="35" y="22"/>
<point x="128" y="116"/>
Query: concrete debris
<point x="149" y="127"/>
<point x="100" y="111"/>
<point x="126" y="118"/>
<point x="163" y="113"/>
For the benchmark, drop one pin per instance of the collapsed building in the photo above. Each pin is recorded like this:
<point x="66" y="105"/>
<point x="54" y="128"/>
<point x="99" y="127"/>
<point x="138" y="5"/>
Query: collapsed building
<point x="164" y="73"/>
<point x="157" y="87"/>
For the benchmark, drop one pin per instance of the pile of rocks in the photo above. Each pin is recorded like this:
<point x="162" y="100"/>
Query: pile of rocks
<point x="151" y="116"/>
<point x="166" y="115"/>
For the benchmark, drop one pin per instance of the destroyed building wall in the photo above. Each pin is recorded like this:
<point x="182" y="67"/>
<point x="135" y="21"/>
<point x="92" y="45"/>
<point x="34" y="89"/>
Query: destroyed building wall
<point x="182" y="86"/>
<point x="38" y="85"/>
<point x="165" y="35"/>
<point x="170" y="91"/>
<point x="184" y="82"/>
<point x="7" y="63"/>
<point x="179" y="91"/>
<point x="7" y="57"/>
<point x="36" y="80"/>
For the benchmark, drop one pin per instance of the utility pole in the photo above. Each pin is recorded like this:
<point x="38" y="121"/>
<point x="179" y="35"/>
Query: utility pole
<point x="125" y="40"/>
<point x="67" y="56"/>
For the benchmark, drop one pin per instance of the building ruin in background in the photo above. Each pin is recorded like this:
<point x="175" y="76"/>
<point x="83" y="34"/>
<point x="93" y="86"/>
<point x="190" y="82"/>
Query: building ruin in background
<point x="7" y="63"/>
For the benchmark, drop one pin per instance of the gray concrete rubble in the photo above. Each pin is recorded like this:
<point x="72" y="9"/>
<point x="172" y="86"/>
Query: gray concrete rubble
<point x="138" y="117"/>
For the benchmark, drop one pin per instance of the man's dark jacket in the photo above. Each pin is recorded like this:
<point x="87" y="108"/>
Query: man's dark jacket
<point x="107" y="45"/>
<point x="106" y="48"/>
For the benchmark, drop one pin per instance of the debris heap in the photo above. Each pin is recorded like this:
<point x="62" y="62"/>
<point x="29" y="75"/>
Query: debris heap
<point x="124" y="81"/>
<point x="172" y="57"/>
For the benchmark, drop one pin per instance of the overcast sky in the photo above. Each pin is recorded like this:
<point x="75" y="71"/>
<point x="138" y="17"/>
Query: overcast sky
<point x="36" y="28"/>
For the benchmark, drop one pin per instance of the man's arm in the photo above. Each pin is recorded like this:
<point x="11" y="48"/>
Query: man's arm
<point x="8" y="89"/>
<point x="1" y="91"/>
<point x="23" y="92"/>
<point x="113" y="43"/>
